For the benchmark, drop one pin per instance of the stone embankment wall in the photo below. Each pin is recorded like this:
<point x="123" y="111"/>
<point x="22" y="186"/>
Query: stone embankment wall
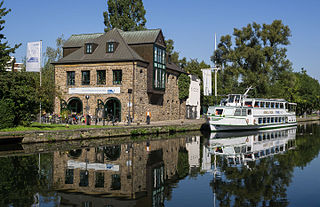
<point x="83" y="134"/>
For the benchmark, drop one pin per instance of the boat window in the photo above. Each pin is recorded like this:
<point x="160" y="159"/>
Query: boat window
<point x="287" y="106"/>
<point x="249" y="112"/>
<point x="268" y="119"/>
<point x="267" y="151"/>
<point x="268" y="104"/>
<point x="248" y="103"/>
<point x="237" y="112"/>
<point x="237" y="98"/>
<point x="256" y="155"/>
<point x="283" y="119"/>
<point x="260" y="137"/>
<point x="237" y="149"/>
<point x="256" y="104"/>
<point x="243" y="149"/>
<point x="219" y="149"/>
<point x="281" y="148"/>
<point x="260" y="121"/>
<point x="281" y="105"/>
<point x="276" y="119"/>
<point x="223" y="102"/>
<point x="277" y="105"/>
<point x="268" y="136"/>
<point x="243" y="112"/>
<point x="272" y="119"/>
<point x="272" y="104"/>
<point x="264" y="120"/>
<point x="231" y="98"/>
<point x="262" y="104"/>
<point x="219" y="111"/>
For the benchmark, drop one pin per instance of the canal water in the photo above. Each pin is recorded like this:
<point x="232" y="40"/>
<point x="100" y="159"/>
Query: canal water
<point x="278" y="167"/>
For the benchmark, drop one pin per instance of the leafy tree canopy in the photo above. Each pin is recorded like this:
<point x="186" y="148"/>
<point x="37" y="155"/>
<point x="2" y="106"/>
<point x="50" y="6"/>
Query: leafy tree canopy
<point x="256" y="57"/>
<point x="47" y="90"/>
<point x="21" y="90"/>
<point x="183" y="85"/>
<point x="5" y="49"/>
<point x="128" y="15"/>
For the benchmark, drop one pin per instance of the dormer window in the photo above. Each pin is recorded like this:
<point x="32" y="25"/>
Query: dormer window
<point x="89" y="48"/>
<point x="110" y="47"/>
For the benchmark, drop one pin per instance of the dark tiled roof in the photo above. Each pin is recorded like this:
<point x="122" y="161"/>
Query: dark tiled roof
<point x="174" y="67"/>
<point x="80" y="39"/>
<point x="123" y="52"/>
<point x="138" y="37"/>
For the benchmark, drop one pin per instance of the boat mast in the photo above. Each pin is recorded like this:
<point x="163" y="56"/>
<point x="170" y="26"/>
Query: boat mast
<point x="247" y="91"/>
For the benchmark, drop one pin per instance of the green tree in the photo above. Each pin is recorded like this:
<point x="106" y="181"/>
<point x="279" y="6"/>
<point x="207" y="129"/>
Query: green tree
<point x="47" y="91"/>
<point x="5" y="49"/>
<point x="183" y="85"/>
<point x="128" y="15"/>
<point x="257" y="59"/>
<point x="20" y="89"/>
<point x="173" y="55"/>
<point x="6" y="113"/>
<point x="306" y="93"/>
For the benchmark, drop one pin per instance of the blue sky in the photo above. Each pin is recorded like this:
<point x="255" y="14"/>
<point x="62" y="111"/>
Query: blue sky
<point x="190" y="23"/>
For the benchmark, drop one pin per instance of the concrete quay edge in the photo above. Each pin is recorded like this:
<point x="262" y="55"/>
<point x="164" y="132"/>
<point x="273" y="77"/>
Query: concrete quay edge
<point x="171" y="126"/>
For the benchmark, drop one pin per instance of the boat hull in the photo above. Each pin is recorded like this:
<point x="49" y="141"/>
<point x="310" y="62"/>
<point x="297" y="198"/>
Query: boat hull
<point x="219" y="127"/>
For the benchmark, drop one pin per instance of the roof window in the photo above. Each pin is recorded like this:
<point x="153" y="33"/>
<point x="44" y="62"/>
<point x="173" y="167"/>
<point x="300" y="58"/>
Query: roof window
<point x="111" y="46"/>
<point x="88" y="48"/>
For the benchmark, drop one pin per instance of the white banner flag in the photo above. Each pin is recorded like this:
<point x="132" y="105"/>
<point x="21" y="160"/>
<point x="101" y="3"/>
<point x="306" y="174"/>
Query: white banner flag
<point x="207" y="82"/>
<point x="33" y="56"/>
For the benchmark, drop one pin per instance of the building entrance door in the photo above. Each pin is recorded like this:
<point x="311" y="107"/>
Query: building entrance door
<point x="113" y="110"/>
<point x="75" y="105"/>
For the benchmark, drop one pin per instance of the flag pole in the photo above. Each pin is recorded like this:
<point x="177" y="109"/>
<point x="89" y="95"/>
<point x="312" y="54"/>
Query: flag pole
<point x="40" y="76"/>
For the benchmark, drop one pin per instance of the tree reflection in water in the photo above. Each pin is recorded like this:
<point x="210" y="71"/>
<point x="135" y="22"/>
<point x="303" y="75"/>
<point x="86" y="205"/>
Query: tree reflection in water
<point x="264" y="182"/>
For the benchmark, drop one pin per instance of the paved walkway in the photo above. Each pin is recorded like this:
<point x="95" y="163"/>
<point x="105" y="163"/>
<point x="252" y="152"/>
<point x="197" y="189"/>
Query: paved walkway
<point x="166" y="122"/>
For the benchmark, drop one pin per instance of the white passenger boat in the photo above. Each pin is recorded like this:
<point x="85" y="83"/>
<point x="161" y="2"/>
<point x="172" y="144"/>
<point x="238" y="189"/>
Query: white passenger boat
<point x="238" y="112"/>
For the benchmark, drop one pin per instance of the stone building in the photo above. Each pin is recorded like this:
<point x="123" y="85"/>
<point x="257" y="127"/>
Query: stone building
<point x="118" y="73"/>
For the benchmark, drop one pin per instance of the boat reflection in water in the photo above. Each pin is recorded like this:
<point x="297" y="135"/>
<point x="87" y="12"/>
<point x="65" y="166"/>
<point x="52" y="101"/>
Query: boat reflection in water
<point x="250" y="146"/>
<point x="248" y="169"/>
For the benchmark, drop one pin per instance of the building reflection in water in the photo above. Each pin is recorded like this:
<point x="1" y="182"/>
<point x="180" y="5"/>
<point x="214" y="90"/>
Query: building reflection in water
<point x="128" y="174"/>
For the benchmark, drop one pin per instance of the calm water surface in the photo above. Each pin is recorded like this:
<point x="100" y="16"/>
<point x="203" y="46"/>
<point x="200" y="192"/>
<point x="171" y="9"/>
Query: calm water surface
<point x="269" y="168"/>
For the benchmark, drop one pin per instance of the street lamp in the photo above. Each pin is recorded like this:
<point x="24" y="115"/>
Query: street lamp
<point x="129" y="116"/>
<point x="87" y="110"/>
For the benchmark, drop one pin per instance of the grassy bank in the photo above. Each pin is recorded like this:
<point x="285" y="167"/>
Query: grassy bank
<point x="51" y="127"/>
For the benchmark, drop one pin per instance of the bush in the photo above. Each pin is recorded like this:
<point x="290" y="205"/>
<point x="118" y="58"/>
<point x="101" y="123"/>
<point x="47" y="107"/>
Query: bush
<point x="6" y="114"/>
<point x="183" y="85"/>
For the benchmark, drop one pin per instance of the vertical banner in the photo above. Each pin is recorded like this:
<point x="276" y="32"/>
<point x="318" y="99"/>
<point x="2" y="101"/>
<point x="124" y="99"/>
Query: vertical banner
<point x="207" y="82"/>
<point x="33" y="56"/>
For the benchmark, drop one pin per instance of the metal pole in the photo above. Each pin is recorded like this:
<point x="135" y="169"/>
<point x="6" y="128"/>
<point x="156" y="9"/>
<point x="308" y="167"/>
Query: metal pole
<point x="40" y="75"/>
<point x="215" y="82"/>
<point x="129" y="118"/>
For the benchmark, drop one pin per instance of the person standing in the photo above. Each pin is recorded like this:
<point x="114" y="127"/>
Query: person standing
<point x="148" y="114"/>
